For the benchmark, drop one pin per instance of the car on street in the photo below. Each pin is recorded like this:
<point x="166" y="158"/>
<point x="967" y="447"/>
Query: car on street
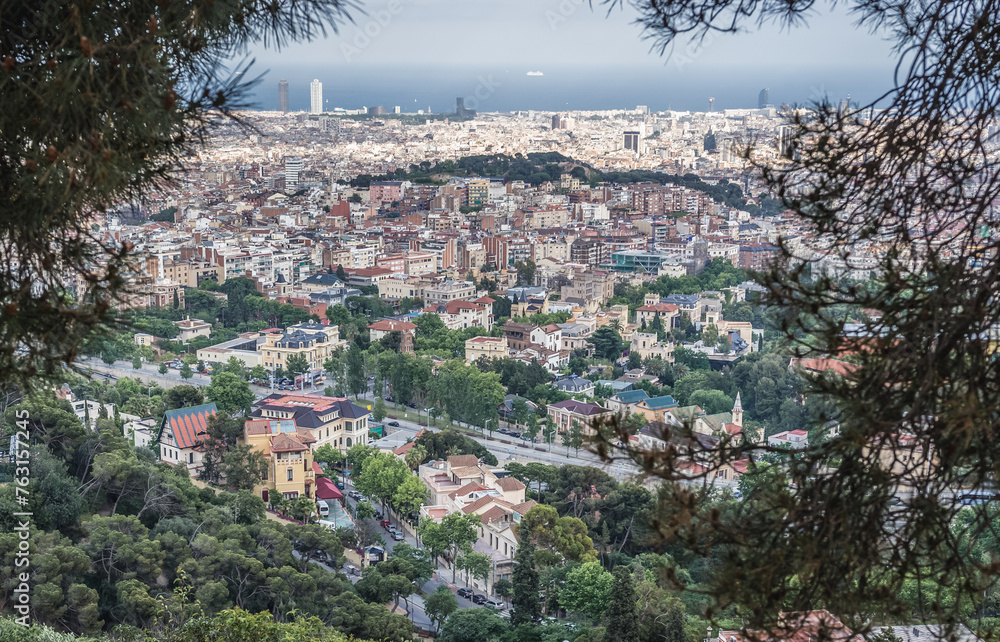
<point x="515" y="435"/>
<point x="398" y="536"/>
<point x="340" y="485"/>
<point x="384" y="524"/>
<point x="478" y="599"/>
<point x="493" y="604"/>
<point x="465" y="592"/>
<point x="394" y="424"/>
<point x="350" y="569"/>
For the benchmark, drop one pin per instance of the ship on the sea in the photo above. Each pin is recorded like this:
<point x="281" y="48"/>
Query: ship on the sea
<point x="535" y="73"/>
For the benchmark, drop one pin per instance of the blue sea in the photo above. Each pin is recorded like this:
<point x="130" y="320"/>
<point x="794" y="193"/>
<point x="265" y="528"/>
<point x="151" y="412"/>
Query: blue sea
<point x="674" y="85"/>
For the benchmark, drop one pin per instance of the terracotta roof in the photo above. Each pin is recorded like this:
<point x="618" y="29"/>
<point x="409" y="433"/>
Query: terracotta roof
<point x="485" y="500"/>
<point x="189" y="426"/>
<point x="389" y="325"/>
<point x="509" y="483"/>
<point x="471" y="487"/>
<point x="283" y="442"/>
<point x="493" y="514"/>
<point x="461" y="461"/>
<point x="467" y="471"/>
<point x="405" y="448"/>
<point x="523" y="508"/>
<point x="659" y="307"/>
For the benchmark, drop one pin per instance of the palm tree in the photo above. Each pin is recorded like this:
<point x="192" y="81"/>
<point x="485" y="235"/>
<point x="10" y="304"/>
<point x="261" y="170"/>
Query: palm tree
<point x="616" y="323"/>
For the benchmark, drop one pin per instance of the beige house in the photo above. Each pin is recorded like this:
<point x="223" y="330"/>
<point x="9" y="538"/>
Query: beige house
<point x="189" y="328"/>
<point x="489" y="347"/>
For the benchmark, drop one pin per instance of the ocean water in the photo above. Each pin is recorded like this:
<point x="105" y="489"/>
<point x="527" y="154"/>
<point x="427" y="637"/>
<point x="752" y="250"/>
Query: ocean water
<point x="676" y="84"/>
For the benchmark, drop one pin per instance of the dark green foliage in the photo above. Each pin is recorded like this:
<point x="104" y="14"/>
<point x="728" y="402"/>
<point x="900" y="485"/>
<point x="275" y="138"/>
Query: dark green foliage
<point x="444" y="444"/>
<point x="607" y="343"/>
<point x="525" y="606"/>
<point x="621" y="618"/>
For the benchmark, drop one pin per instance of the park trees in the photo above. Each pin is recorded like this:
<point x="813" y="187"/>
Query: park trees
<point x="556" y="538"/>
<point x="183" y="397"/>
<point x="439" y="605"/>
<point x="231" y="393"/>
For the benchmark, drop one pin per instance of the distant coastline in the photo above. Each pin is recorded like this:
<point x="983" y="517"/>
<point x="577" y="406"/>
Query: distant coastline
<point x="501" y="89"/>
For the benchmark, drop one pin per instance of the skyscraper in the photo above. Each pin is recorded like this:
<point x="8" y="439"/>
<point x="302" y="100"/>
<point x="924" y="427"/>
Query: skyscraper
<point x="283" y="96"/>
<point x="316" y="97"/>
<point x="764" y="98"/>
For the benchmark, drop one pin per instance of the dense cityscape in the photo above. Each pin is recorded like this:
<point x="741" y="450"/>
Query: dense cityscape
<point x="382" y="373"/>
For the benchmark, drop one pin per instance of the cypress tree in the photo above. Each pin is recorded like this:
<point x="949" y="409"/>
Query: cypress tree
<point x="675" y="624"/>
<point x="621" y="620"/>
<point x="525" y="605"/>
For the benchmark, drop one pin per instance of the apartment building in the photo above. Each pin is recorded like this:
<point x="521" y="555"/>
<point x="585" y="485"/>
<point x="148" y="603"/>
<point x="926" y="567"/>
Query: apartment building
<point x="329" y="420"/>
<point x="287" y="450"/>
<point x="313" y="341"/>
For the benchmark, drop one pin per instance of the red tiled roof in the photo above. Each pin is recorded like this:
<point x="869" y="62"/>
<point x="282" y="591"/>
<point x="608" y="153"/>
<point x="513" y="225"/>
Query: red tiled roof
<point x="282" y="442"/>
<point x="485" y="500"/>
<point x="388" y="325"/>
<point x="462" y="461"/>
<point x="510" y="483"/>
<point x="189" y="425"/>
<point x="659" y="307"/>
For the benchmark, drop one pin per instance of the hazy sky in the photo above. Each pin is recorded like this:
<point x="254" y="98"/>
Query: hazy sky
<point x="536" y="33"/>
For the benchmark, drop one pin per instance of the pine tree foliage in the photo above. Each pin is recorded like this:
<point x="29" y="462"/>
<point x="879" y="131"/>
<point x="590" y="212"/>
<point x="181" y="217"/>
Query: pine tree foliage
<point x="874" y="509"/>
<point x="101" y="100"/>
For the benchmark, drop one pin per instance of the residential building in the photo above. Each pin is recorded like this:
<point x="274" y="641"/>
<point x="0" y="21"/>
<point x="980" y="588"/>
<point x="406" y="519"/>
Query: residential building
<point x="312" y="341"/>
<point x="488" y="347"/>
<point x="330" y="420"/>
<point x="383" y="327"/>
<point x="565" y="413"/>
<point x="189" y="328"/>
<point x="315" y="97"/>
<point x="181" y="434"/>
<point x="575" y="385"/>
<point x="790" y="439"/>
<point x="289" y="457"/>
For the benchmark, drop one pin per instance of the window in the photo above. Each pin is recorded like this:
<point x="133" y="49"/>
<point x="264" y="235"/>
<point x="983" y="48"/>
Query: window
<point x="348" y="425"/>
<point x="291" y="474"/>
<point x="190" y="458"/>
<point x="264" y="476"/>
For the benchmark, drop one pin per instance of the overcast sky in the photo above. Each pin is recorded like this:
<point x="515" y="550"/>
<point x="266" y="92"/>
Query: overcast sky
<point x="536" y="33"/>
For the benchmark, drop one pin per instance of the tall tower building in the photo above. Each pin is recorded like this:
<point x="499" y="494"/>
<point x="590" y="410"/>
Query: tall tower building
<point x="283" y="96"/>
<point x="315" y="97"/>
<point x="764" y="98"/>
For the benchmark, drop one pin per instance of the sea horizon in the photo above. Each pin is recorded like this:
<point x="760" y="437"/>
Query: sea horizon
<point x="675" y="85"/>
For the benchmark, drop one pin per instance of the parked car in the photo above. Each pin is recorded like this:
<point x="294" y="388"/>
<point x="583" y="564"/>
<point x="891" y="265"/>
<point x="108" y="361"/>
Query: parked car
<point x="493" y="604"/>
<point x="465" y="592"/>
<point x="384" y="524"/>
<point x="504" y="431"/>
<point x="398" y="536"/>
<point x="340" y="485"/>
<point x="411" y="405"/>
<point x="515" y="435"/>
<point x="478" y="599"/>
<point x="350" y="569"/>
<point x="324" y="508"/>
<point x="394" y="424"/>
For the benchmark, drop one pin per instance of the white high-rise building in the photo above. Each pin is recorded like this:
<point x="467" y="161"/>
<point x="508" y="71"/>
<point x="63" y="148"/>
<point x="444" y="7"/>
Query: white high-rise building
<point x="316" y="97"/>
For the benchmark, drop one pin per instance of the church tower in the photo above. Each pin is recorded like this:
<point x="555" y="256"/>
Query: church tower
<point x="738" y="411"/>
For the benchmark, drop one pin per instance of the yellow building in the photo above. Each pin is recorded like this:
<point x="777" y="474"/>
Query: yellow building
<point x="489" y="347"/>
<point x="287" y="450"/>
<point x="313" y="341"/>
